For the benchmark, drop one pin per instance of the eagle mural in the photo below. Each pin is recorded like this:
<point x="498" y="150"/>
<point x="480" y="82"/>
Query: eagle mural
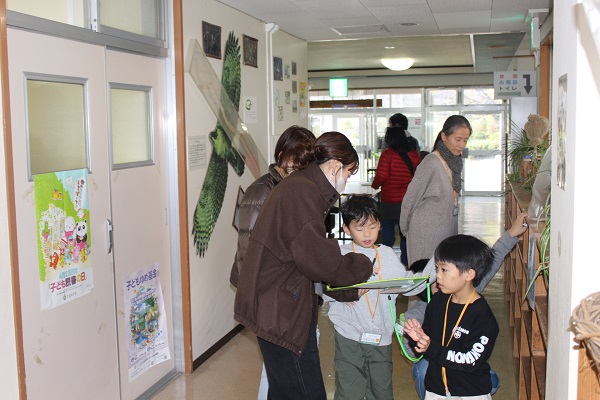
<point x="223" y="153"/>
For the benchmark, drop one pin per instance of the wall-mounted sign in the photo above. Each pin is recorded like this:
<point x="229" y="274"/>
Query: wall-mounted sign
<point x="515" y="84"/>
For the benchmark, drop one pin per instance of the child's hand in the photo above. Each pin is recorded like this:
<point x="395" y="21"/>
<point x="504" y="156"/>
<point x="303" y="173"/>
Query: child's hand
<point x="375" y="270"/>
<point x="413" y="328"/>
<point x="519" y="225"/>
<point x="361" y="292"/>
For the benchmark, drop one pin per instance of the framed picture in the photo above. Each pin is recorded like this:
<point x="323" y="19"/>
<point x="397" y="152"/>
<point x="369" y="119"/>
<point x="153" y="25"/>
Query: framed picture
<point x="293" y="67"/>
<point x="286" y="70"/>
<point x="294" y="87"/>
<point x="236" y="214"/>
<point x="211" y="40"/>
<point x="277" y="68"/>
<point x="250" y="51"/>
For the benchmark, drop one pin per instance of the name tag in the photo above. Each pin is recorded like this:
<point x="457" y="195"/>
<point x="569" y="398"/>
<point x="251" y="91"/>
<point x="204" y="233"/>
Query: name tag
<point x="370" y="338"/>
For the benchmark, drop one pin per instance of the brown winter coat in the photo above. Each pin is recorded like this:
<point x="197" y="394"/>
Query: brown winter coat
<point x="288" y="251"/>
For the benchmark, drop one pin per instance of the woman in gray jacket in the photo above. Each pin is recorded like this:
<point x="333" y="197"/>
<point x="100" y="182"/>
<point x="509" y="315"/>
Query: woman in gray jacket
<point x="430" y="206"/>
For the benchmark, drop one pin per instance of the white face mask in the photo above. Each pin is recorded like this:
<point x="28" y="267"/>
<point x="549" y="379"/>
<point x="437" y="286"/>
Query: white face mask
<point x="339" y="183"/>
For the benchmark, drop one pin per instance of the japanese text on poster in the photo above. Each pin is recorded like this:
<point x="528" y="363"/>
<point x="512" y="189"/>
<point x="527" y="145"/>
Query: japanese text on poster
<point x="63" y="236"/>
<point x="145" y="318"/>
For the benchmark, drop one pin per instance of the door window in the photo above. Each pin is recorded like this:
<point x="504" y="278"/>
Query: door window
<point x="56" y="124"/>
<point x="131" y="128"/>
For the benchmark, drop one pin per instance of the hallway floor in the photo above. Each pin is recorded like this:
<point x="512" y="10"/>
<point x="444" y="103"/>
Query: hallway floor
<point x="233" y="373"/>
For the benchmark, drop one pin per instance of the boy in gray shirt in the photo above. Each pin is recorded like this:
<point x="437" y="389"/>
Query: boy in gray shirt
<point x="364" y="329"/>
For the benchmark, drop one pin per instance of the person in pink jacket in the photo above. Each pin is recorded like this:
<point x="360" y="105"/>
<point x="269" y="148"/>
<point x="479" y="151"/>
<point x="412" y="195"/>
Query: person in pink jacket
<point x="395" y="171"/>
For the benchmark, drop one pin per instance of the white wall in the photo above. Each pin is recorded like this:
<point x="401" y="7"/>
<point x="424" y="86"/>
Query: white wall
<point x="8" y="360"/>
<point x="573" y="272"/>
<point x="212" y="295"/>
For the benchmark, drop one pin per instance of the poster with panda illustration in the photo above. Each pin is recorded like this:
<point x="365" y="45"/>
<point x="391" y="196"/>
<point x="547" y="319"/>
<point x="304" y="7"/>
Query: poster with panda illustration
<point x="63" y="236"/>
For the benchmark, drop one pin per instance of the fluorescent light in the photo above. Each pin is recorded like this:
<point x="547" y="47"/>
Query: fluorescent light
<point x="397" y="64"/>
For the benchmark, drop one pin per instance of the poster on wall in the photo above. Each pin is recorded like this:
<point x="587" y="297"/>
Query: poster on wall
<point x="145" y="318"/>
<point x="250" y="112"/>
<point x="302" y="94"/>
<point x="63" y="239"/>
<point x="561" y="148"/>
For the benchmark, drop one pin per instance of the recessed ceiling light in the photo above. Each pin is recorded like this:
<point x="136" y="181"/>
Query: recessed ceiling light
<point x="397" y="64"/>
<point x="389" y="47"/>
<point x="409" y="23"/>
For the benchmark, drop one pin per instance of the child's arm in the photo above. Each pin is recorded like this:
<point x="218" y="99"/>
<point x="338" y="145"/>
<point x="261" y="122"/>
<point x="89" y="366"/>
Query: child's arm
<point x="503" y="246"/>
<point x="414" y="330"/>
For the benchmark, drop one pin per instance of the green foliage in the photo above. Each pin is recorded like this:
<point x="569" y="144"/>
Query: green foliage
<point x="519" y="146"/>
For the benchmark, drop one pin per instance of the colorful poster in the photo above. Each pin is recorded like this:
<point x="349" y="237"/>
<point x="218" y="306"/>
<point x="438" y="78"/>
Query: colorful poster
<point x="302" y="90"/>
<point x="63" y="236"/>
<point x="146" y="320"/>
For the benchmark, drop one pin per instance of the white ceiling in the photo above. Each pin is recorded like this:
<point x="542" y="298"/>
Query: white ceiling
<point x="474" y="35"/>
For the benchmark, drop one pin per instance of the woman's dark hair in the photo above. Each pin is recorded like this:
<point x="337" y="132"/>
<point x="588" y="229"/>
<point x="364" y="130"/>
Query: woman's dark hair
<point x="395" y="139"/>
<point x="466" y="252"/>
<point x="295" y="145"/>
<point x="360" y="208"/>
<point x="452" y="123"/>
<point x="399" y="120"/>
<point x="336" y="146"/>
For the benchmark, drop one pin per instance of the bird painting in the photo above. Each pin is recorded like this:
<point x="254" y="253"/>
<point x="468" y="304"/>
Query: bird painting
<point x="223" y="153"/>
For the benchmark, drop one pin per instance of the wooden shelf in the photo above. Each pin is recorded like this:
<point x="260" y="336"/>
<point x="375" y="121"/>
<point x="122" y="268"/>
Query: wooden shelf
<point x="529" y="323"/>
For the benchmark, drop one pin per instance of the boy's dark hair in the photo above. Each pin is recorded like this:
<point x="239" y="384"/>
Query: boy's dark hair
<point x="360" y="208"/>
<point x="466" y="252"/>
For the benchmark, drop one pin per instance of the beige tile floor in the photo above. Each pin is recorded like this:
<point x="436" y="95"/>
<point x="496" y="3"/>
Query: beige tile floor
<point x="233" y="373"/>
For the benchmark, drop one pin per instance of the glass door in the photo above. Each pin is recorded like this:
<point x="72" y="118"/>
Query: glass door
<point x="358" y="127"/>
<point x="483" y="171"/>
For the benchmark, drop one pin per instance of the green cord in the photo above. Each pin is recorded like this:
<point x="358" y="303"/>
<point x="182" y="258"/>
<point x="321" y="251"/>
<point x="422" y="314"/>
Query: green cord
<point x="413" y="359"/>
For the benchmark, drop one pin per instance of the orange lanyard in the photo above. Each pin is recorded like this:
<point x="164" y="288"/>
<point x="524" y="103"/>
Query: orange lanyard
<point x="448" y="172"/>
<point x="367" y="294"/>
<point x="444" y="378"/>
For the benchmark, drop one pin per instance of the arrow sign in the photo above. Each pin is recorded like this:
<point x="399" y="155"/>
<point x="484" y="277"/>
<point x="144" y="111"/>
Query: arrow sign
<point x="527" y="83"/>
<point x="514" y="84"/>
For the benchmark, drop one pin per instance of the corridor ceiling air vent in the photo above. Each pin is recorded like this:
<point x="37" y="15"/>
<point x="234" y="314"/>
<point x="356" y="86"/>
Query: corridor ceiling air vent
<point x="358" y="30"/>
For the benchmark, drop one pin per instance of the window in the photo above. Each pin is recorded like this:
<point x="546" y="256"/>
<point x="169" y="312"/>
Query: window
<point x="131" y="128"/>
<point x="443" y="97"/>
<point x="476" y="96"/>
<point x="56" y="130"/>
<point x="141" y="21"/>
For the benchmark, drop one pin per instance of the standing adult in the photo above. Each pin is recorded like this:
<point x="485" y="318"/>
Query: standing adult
<point x="430" y="208"/>
<point x="293" y="152"/>
<point x="395" y="171"/>
<point x="395" y="120"/>
<point x="288" y="251"/>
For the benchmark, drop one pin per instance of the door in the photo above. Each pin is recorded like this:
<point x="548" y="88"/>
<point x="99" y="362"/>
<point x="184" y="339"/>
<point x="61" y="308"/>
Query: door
<point x="359" y="128"/>
<point x="139" y="190"/>
<point x="70" y="351"/>
<point x="483" y="169"/>
<point x="80" y="349"/>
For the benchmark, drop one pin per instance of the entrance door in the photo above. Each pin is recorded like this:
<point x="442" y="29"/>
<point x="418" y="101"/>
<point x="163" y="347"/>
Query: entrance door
<point x="359" y="128"/>
<point x="79" y="350"/>
<point x="483" y="169"/>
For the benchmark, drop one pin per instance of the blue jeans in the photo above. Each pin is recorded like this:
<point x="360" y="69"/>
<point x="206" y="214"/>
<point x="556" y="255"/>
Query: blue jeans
<point x="388" y="237"/>
<point x="420" y="369"/>
<point x="292" y="376"/>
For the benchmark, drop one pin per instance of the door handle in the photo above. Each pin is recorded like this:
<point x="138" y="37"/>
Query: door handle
<point x="109" y="236"/>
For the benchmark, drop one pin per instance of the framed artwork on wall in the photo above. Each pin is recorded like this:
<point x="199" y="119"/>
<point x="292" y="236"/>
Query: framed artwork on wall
<point x="236" y="214"/>
<point x="277" y="68"/>
<point x="294" y="67"/>
<point x="211" y="40"/>
<point x="250" y="51"/>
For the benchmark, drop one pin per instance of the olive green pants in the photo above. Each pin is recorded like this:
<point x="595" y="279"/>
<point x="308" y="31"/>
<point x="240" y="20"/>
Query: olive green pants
<point x="362" y="371"/>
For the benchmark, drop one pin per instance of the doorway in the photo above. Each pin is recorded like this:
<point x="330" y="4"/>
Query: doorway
<point x="80" y="348"/>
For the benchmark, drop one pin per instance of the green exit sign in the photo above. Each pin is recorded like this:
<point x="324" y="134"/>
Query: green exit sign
<point x="338" y="87"/>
